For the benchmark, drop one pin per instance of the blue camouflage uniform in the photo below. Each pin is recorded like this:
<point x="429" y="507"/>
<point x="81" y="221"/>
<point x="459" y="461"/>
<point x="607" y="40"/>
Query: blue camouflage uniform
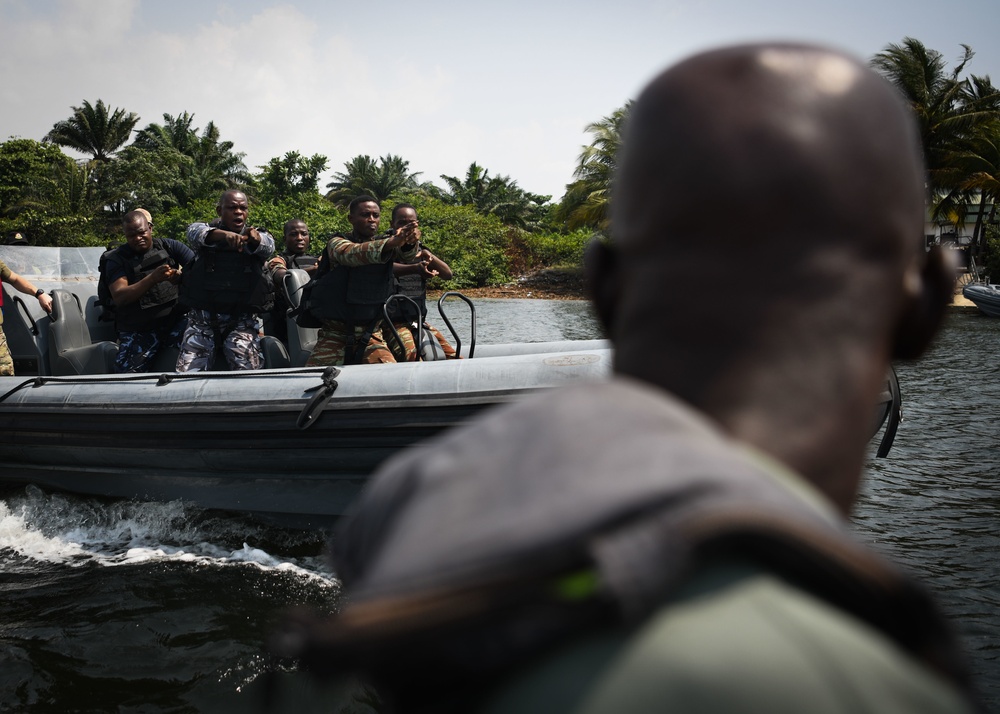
<point x="139" y="344"/>
<point x="236" y="333"/>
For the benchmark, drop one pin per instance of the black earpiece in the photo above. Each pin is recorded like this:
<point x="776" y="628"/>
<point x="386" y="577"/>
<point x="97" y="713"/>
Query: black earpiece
<point x="922" y="316"/>
<point x="600" y="263"/>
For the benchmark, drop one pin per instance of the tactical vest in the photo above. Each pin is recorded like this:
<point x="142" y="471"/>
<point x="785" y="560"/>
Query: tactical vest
<point x="415" y="288"/>
<point x="354" y="295"/>
<point x="159" y="301"/>
<point x="302" y="262"/>
<point x="227" y="281"/>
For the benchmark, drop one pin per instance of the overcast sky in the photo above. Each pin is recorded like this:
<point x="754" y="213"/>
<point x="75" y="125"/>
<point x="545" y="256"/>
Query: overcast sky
<point x="510" y="85"/>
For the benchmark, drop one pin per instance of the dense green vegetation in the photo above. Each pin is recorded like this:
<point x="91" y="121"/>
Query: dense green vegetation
<point x="486" y="226"/>
<point x="989" y="261"/>
<point x="959" y="121"/>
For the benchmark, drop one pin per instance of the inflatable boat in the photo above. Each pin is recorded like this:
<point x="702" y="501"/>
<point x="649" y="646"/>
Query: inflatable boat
<point x="984" y="296"/>
<point x="288" y="442"/>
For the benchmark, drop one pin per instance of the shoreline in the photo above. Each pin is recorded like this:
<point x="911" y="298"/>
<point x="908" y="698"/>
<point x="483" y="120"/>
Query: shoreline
<point x="549" y="284"/>
<point x="567" y="284"/>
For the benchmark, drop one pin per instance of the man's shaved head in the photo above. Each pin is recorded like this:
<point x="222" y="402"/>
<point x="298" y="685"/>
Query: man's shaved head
<point x="767" y="218"/>
<point x="776" y="150"/>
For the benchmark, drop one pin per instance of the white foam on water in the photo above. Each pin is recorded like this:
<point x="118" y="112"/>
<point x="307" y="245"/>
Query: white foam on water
<point x="55" y="529"/>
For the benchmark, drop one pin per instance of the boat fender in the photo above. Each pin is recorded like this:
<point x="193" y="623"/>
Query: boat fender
<point x="324" y="392"/>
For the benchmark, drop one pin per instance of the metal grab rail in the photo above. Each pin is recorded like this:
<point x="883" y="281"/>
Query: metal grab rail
<point x="392" y="328"/>
<point x="472" y="309"/>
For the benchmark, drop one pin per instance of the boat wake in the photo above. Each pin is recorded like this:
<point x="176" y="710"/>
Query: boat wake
<point x="66" y="530"/>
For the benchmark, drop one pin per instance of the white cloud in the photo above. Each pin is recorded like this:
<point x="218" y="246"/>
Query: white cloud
<point x="441" y="85"/>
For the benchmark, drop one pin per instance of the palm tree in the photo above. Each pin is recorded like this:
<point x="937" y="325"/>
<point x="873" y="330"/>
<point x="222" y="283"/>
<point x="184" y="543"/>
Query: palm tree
<point x="941" y="102"/>
<point x="497" y="196"/>
<point x="209" y="166"/>
<point x="980" y="164"/>
<point x="175" y="132"/>
<point x="385" y="178"/>
<point x="588" y="199"/>
<point x="958" y="120"/>
<point x="476" y="189"/>
<point x="93" y="130"/>
<point x="291" y="175"/>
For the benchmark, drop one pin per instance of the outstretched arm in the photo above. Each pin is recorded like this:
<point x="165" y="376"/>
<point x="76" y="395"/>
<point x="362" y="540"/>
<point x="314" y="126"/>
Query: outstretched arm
<point x="124" y="294"/>
<point x="28" y="288"/>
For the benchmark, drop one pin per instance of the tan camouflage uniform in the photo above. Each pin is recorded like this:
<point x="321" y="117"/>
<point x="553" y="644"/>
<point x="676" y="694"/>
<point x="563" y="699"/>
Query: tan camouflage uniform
<point x="408" y="333"/>
<point x="332" y="339"/>
<point x="6" y="361"/>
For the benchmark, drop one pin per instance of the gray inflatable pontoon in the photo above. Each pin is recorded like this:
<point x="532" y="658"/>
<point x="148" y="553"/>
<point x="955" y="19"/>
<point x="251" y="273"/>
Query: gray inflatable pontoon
<point x="293" y="443"/>
<point x="287" y="442"/>
<point x="984" y="296"/>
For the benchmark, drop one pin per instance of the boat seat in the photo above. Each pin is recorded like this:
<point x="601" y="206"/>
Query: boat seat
<point x="301" y="340"/>
<point x="165" y="360"/>
<point x="275" y="354"/>
<point x="71" y="350"/>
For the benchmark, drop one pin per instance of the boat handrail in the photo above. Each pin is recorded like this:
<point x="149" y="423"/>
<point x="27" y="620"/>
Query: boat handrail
<point x="392" y="327"/>
<point x="893" y="416"/>
<point x="454" y="333"/>
<point x="23" y="307"/>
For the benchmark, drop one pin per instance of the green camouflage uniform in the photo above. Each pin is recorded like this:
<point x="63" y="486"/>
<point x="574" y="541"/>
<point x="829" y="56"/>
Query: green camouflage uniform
<point x="331" y="342"/>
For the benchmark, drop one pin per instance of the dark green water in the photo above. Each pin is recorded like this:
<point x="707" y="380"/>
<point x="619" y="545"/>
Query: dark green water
<point x="933" y="505"/>
<point x="126" y="607"/>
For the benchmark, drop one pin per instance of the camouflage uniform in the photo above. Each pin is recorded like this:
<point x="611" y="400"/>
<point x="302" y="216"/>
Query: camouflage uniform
<point x="333" y="336"/>
<point x="408" y="333"/>
<point x="137" y="349"/>
<point x="332" y="344"/>
<point x="237" y="335"/>
<point x="6" y="361"/>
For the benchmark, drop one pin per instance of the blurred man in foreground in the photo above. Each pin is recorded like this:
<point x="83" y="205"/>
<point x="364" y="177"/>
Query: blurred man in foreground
<point x="675" y="539"/>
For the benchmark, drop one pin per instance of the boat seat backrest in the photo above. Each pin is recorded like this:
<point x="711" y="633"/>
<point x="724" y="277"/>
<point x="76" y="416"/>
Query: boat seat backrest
<point x="71" y="350"/>
<point x="275" y="354"/>
<point x="101" y="330"/>
<point x="27" y="337"/>
<point x="301" y="340"/>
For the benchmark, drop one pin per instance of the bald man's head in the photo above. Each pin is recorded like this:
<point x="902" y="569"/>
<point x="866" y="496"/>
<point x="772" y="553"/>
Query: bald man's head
<point x="768" y="220"/>
<point x="787" y="173"/>
<point x="762" y="146"/>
